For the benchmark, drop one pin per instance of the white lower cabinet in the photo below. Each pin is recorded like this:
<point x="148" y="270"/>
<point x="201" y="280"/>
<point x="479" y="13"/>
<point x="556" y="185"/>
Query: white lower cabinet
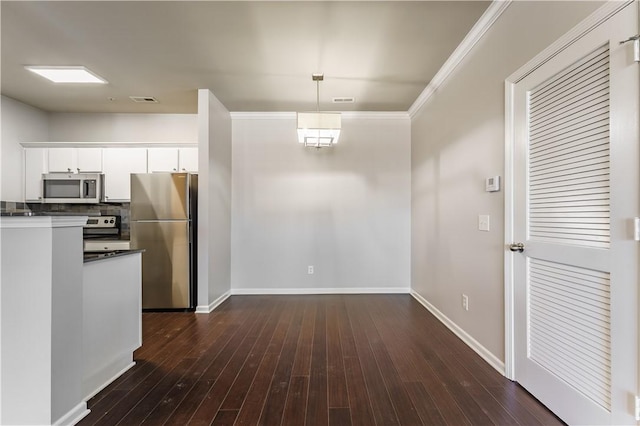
<point x="118" y="164"/>
<point x="111" y="319"/>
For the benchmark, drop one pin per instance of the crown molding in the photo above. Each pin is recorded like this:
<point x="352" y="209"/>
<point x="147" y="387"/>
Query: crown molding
<point x="485" y="22"/>
<point x="347" y="115"/>
<point x="262" y="115"/>
<point x="105" y="144"/>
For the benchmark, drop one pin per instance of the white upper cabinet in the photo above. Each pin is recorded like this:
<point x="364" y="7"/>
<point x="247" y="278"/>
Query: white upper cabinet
<point x="115" y="163"/>
<point x="89" y="160"/>
<point x="118" y="164"/>
<point x="62" y="160"/>
<point x="172" y="159"/>
<point x="162" y="160"/>
<point x="188" y="160"/>
<point x="35" y="164"/>
<point x="75" y="160"/>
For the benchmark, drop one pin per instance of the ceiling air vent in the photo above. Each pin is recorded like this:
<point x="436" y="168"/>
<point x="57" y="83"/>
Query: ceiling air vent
<point x="144" y="99"/>
<point x="344" y="100"/>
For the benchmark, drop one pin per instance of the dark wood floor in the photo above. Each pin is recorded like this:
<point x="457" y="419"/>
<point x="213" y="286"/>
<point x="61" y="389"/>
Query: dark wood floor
<point x="314" y="360"/>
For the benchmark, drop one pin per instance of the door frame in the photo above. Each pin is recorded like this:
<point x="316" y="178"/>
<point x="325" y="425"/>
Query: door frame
<point x="598" y="17"/>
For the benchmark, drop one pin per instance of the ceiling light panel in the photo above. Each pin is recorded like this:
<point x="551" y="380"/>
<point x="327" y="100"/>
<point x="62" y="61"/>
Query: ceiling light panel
<point x="64" y="74"/>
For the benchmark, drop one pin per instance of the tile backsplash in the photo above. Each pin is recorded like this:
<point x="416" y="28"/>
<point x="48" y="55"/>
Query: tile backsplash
<point x="111" y="209"/>
<point x="13" y="206"/>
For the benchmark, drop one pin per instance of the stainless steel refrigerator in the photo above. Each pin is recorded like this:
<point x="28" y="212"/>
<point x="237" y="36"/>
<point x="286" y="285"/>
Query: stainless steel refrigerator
<point x="164" y="223"/>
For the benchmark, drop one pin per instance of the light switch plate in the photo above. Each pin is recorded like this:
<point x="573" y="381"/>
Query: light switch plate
<point x="483" y="222"/>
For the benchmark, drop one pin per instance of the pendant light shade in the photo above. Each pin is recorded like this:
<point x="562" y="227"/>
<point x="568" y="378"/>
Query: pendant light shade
<point x="318" y="129"/>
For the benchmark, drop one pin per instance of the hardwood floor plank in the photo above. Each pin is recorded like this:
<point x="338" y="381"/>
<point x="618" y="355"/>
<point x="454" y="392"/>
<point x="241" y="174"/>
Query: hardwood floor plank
<point x="403" y="338"/>
<point x="252" y="407"/>
<point x="347" y="341"/>
<point x="404" y="408"/>
<point x="251" y="350"/>
<point x="339" y="417"/>
<point x="336" y="378"/>
<point x="225" y="418"/>
<point x="317" y="398"/>
<point x="238" y="343"/>
<point x="383" y="410"/>
<point x="146" y="404"/>
<point x="358" y="360"/>
<point x="276" y="399"/>
<point x="248" y="370"/>
<point x="427" y="408"/>
<point x="174" y="397"/>
<point x="295" y="410"/>
<point x="302" y="362"/>
<point x="359" y="401"/>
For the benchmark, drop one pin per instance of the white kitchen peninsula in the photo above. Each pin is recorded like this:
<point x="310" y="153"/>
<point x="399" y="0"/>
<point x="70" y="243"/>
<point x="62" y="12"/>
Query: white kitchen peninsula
<point x="49" y="324"/>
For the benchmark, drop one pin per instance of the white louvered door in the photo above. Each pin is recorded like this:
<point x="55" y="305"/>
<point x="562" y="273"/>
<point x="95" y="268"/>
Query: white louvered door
<point x="575" y="193"/>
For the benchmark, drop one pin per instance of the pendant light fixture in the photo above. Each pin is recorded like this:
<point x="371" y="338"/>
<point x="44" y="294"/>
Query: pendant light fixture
<point x="318" y="129"/>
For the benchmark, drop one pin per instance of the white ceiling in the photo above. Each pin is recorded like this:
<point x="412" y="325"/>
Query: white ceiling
<point x="254" y="56"/>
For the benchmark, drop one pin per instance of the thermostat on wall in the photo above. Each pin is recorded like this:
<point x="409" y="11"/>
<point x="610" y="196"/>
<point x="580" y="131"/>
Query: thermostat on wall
<point x="492" y="184"/>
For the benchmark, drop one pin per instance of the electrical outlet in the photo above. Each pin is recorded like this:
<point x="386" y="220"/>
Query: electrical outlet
<point x="465" y="302"/>
<point x="310" y="269"/>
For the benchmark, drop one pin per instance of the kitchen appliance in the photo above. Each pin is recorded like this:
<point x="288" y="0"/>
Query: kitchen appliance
<point x="102" y="234"/>
<point x="163" y="223"/>
<point x="83" y="188"/>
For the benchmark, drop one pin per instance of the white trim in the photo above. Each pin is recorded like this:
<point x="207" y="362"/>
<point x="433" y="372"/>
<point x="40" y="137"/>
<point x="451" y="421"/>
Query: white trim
<point x="74" y="415"/>
<point x="484" y="353"/>
<point x="113" y="378"/>
<point x="207" y="309"/>
<point x="257" y="115"/>
<point x="587" y="25"/>
<point x="375" y="115"/>
<point x="509" y="338"/>
<point x="485" y="22"/>
<point x="345" y="290"/>
<point x="103" y="144"/>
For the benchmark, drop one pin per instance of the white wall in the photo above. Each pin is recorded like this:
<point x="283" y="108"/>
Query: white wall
<point x="345" y="210"/>
<point x="214" y="201"/>
<point x="98" y="127"/>
<point x="20" y="123"/>
<point x="457" y="142"/>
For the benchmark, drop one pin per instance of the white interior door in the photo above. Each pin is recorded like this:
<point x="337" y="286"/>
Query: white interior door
<point x="575" y="177"/>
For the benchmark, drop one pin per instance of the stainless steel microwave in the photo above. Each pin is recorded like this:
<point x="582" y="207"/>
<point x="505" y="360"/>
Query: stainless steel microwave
<point x="84" y="188"/>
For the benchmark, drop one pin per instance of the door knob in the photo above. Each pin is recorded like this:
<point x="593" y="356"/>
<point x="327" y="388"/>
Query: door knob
<point x="519" y="247"/>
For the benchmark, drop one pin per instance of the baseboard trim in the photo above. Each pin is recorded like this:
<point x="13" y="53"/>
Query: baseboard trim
<point x="74" y="415"/>
<point x="207" y="309"/>
<point x="112" y="379"/>
<point x="493" y="361"/>
<point x="292" y="291"/>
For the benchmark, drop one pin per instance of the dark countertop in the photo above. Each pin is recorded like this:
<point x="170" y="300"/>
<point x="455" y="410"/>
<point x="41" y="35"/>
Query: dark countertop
<point x="94" y="256"/>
